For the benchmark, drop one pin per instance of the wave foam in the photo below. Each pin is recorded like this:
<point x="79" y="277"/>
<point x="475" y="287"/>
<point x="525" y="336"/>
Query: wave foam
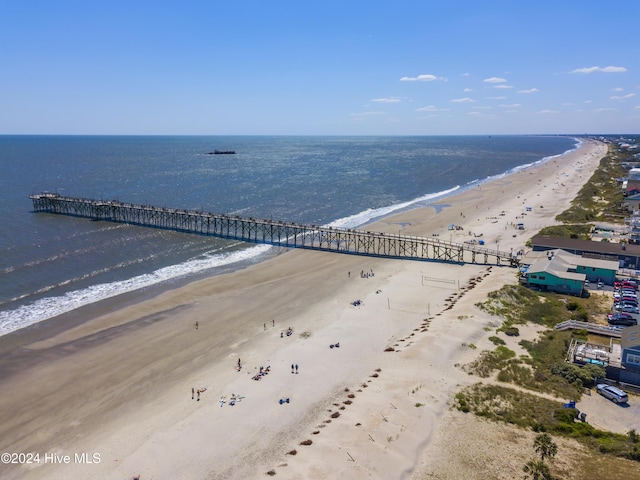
<point x="371" y="214"/>
<point x="50" y="307"/>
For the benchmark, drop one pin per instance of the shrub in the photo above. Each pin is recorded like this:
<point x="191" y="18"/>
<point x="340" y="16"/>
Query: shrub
<point x="512" y="331"/>
<point x="572" y="306"/>
<point x="577" y="375"/>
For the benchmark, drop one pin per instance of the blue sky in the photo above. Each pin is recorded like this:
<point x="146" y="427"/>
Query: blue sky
<point x="319" y="68"/>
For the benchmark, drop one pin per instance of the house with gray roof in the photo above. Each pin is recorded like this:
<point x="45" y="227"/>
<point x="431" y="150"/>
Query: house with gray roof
<point x="563" y="272"/>
<point x="627" y="255"/>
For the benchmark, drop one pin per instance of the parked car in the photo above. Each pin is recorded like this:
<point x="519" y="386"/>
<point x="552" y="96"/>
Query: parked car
<point x="627" y="291"/>
<point x="619" y="314"/>
<point x="627" y="304"/>
<point x="612" y="393"/>
<point x="627" y="283"/>
<point x="626" y="300"/>
<point x="633" y="303"/>
<point x="627" y="309"/>
<point x="621" y="318"/>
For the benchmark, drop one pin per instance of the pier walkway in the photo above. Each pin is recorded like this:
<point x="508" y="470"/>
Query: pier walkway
<point x="284" y="234"/>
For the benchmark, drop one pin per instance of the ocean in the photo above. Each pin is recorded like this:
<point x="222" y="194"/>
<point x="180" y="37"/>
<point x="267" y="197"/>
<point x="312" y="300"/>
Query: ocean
<point x="52" y="264"/>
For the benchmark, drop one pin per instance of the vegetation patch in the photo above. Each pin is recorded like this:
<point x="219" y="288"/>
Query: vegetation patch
<point x="579" y="376"/>
<point x="526" y="410"/>
<point x="577" y="231"/>
<point x="601" y="198"/>
<point x="490" y="361"/>
<point x="545" y="369"/>
<point x="518" y="305"/>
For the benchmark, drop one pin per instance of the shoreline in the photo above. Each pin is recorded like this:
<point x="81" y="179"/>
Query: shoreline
<point x="434" y="200"/>
<point x="119" y="384"/>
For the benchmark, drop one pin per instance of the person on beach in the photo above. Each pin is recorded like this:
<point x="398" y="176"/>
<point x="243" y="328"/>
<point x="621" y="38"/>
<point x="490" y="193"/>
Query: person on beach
<point x="292" y="368"/>
<point x="196" y="325"/>
<point x="198" y="394"/>
<point x="296" y="368"/>
<point x="273" y="323"/>
<point x="193" y="391"/>
<point x="264" y="325"/>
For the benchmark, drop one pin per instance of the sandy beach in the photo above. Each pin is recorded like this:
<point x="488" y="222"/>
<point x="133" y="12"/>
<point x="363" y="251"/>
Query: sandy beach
<point x="112" y="388"/>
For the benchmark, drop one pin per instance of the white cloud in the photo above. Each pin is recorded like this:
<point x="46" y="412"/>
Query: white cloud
<point x="386" y="100"/>
<point x="546" y="112"/>
<point x="365" y="114"/>
<point x="462" y="100"/>
<point x="588" y="101"/>
<point x="623" y="97"/>
<point x="599" y="69"/>
<point x="467" y="90"/>
<point x="502" y="86"/>
<point x="531" y="90"/>
<point x="431" y="109"/>
<point x="494" y="80"/>
<point x="513" y="105"/>
<point x="427" y="77"/>
<point x="606" y="110"/>
<point x="481" y="114"/>
<point x="618" y="89"/>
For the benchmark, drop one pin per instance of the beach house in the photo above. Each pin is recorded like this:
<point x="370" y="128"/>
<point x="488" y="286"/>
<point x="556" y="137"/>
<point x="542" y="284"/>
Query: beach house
<point x="630" y="357"/>
<point x="632" y="186"/>
<point x="627" y="255"/>
<point x="632" y="203"/>
<point x="621" y="359"/>
<point x="563" y="272"/>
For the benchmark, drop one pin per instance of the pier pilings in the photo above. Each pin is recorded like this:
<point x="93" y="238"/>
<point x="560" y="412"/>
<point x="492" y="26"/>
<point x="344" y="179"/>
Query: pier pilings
<point x="274" y="232"/>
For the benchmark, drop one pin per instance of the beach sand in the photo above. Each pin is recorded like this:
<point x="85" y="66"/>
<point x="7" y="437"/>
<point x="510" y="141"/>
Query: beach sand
<point x="112" y="387"/>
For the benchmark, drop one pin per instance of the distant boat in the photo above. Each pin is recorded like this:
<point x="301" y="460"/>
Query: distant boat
<point x="222" y="152"/>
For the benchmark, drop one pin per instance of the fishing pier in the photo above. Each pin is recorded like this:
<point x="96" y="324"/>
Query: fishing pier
<point x="284" y="234"/>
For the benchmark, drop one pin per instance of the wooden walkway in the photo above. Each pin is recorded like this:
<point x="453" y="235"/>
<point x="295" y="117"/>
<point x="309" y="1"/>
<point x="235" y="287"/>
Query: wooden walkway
<point x="605" y="330"/>
<point x="293" y="235"/>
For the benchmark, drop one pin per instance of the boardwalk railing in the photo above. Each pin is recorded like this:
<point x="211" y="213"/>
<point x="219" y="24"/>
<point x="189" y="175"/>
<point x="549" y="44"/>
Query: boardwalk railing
<point x="590" y="327"/>
<point x="286" y="234"/>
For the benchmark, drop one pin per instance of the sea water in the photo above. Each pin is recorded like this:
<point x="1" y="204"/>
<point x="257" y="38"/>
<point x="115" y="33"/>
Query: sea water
<point x="51" y="264"/>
